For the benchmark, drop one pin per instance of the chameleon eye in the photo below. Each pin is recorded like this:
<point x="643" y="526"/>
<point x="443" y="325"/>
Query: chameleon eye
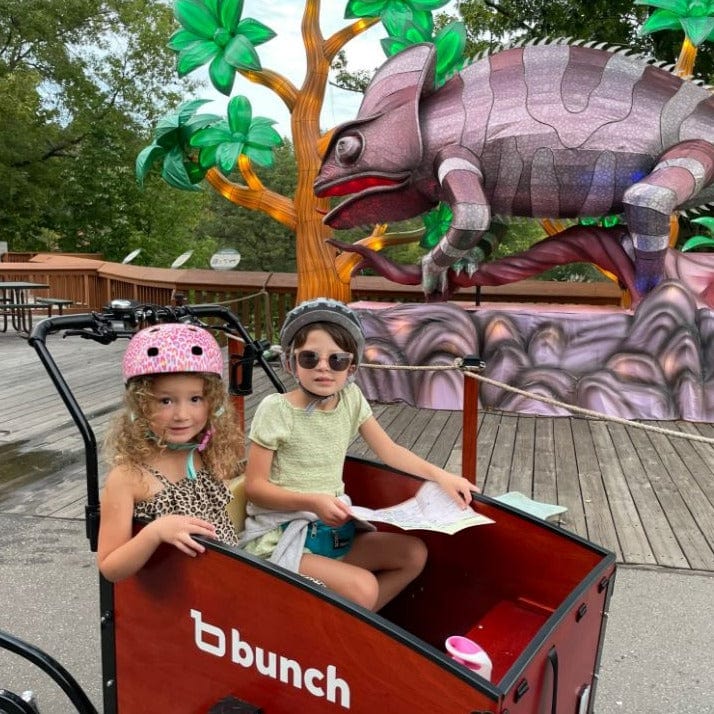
<point x="348" y="149"/>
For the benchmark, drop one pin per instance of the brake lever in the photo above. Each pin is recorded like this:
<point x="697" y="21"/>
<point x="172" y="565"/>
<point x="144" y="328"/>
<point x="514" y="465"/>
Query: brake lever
<point x="103" y="338"/>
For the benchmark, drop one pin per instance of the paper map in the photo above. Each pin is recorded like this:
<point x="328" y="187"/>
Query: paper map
<point x="431" y="509"/>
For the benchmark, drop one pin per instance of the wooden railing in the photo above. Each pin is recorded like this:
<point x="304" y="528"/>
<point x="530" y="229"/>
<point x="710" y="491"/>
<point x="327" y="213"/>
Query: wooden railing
<point x="25" y="257"/>
<point x="261" y="300"/>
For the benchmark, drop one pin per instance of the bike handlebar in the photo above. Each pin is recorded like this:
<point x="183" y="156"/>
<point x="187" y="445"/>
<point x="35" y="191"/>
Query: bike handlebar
<point x="122" y="318"/>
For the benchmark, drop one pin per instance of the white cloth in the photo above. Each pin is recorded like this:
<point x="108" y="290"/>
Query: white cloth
<point x="291" y="545"/>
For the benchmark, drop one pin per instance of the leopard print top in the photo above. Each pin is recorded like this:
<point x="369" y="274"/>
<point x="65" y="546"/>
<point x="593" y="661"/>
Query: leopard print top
<point x="205" y="497"/>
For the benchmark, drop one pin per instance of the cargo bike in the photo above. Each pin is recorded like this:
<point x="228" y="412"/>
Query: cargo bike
<point x="227" y="632"/>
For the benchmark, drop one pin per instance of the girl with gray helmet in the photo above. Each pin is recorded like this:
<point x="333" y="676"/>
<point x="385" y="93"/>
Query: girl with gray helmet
<point x="298" y="513"/>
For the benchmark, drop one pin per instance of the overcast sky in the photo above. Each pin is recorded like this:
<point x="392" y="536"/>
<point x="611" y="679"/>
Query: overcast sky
<point x="286" y="54"/>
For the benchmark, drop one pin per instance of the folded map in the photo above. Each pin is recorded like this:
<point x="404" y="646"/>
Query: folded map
<point x="431" y="509"/>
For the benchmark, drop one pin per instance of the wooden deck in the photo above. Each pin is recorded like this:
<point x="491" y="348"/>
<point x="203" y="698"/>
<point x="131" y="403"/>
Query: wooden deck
<point x="647" y="496"/>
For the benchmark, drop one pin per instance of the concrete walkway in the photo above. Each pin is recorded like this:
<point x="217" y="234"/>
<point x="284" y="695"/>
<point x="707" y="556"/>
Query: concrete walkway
<point x="658" y="654"/>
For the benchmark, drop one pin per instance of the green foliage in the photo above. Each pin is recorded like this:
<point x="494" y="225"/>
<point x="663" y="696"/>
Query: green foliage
<point x="79" y="81"/>
<point x="492" y="23"/>
<point x="520" y="234"/>
<point x="436" y="223"/>
<point x="700" y="241"/>
<point x="409" y="22"/>
<point x="222" y="144"/>
<point x="188" y="144"/>
<point x="450" y="42"/>
<point x="604" y="221"/>
<point x="172" y="146"/>
<point x="391" y="11"/>
<point x="573" y="273"/>
<point x="347" y="80"/>
<point x="408" y="254"/>
<point x="104" y="210"/>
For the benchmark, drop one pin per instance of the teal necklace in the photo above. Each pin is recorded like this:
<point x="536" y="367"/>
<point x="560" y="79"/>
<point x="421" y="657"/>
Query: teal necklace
<point x="192" y="447"/>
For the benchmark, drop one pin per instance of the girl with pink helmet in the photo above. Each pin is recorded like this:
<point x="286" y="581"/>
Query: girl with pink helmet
<point x="173" y="449"/>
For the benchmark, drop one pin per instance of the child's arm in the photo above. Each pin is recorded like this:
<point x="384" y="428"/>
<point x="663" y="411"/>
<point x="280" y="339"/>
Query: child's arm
<point x="401" y="458"/>
<point x="119" y="554"/>
<point x="261" y="491"/>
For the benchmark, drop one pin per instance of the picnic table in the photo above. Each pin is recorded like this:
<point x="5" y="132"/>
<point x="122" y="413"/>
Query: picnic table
<point x="16" y="304"/>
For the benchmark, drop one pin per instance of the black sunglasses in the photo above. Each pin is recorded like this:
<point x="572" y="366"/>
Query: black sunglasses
<point x="338" y="361"/>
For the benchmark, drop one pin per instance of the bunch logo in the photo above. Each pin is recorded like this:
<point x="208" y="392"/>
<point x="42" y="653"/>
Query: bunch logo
<point x="212" y="640"/>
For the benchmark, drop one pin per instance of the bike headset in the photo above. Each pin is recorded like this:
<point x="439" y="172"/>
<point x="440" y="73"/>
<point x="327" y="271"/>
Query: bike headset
<point x="319" y="310"/>
<point x="174" y="348"/>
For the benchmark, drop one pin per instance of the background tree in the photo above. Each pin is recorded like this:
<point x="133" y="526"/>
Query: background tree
<point x="80" y="82"/>
<point x="491" y="23"/>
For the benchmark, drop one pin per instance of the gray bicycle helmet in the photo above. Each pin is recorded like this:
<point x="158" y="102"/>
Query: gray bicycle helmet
<point x="322" y="310"/>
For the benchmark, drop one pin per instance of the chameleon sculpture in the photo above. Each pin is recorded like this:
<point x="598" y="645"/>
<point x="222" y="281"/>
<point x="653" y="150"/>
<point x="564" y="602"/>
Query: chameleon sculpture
<point x="551" y="130"/>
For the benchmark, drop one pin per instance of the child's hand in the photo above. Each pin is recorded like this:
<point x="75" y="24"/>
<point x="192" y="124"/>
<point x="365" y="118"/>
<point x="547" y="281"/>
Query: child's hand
<point x="330" y="509"/>
<point x="177" y="531"/>
<point x="458" y="488"/>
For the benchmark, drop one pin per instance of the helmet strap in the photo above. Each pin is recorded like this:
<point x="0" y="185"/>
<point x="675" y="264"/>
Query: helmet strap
<point x="192" y="447"/>
<point x="315" y="399"/>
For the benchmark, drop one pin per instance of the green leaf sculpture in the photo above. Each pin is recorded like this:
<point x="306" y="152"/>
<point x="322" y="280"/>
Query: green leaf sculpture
<point x="436" y="223"/>
<point x="212" y="32"/>
<point x="409" y="22"/>
<point x="694" y="17"/>
<point x="386" y="8"/>
<point x="701" y="241"/>
<point x="172" y="147"/>
<point x="221" y="145"/>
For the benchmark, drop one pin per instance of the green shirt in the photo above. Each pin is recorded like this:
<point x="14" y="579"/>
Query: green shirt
<point x="309" y="447"/>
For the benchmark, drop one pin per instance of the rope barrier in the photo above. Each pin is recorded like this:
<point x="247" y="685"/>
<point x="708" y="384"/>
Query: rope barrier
<point x="473" y="373"/>
<point x="267" y="318"/>
<point x="233" y="301"/>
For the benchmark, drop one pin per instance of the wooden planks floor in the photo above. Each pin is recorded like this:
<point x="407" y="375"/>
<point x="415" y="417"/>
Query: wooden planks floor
<point x="647" y="496"/>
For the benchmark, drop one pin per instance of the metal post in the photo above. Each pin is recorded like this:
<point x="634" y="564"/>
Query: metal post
<point x="236" y="351"/>
<point x="470" y="429"/>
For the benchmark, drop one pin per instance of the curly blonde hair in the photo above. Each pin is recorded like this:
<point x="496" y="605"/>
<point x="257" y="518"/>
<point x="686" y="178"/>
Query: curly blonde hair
<point x="127" y="443"/>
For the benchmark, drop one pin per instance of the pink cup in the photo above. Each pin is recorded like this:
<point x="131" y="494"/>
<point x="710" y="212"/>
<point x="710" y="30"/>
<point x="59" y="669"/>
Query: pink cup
<point x="471" y="655"/>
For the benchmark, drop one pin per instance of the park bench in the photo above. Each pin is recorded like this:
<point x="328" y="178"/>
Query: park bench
<point x="20" y="313"/>
<point x="15" y="313"/>
<point x="51" y="302"/>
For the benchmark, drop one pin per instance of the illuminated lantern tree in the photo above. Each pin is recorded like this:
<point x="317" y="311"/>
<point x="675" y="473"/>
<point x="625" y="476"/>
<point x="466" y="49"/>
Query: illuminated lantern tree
<point x="192" y="148"/>
<point x="694" y="17"/>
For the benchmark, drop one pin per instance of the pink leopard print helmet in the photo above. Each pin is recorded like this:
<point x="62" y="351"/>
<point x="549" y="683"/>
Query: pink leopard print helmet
<point x="170" y="348"/>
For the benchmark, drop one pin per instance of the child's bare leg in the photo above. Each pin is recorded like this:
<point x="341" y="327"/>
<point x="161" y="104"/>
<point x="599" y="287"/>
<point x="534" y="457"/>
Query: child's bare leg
<point x="394" y="558"/>
<point x="350" y="581"/>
